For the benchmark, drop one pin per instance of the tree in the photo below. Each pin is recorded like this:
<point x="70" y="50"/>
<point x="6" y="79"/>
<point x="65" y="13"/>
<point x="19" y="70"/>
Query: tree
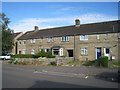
<point x="7" y="34"/>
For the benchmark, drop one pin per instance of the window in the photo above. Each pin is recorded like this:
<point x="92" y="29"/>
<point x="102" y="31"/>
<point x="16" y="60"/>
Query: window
<point x="84" y="51"/>
<point x="106" y="36"/>
<point x="32" y="40"/>
<point x="98" y="36"/>
<point x="24" y="42"/>
<point x="32" y="51"/>
<point x="119" y="35"/>
<point x="107" y="50"/>
<point x="47" y="50"/>
<point x="23" y="51"/>
<point x="19" y="43"/>
<point x="55" y="51"/>
<point x="83" y="37"/>
<point x="65" y="38"/>
<point x="51" y="39"/>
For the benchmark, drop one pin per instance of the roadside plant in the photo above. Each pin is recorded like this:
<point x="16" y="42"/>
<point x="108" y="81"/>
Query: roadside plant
<point x="103" y="61"/>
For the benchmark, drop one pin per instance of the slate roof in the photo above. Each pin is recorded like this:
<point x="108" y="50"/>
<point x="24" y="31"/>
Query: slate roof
<point x="92" y="28"/>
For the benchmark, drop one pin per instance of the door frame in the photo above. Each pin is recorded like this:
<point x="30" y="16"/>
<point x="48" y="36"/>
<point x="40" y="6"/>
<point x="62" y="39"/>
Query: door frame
<point x="109" y="56"/>
<point x="96" y="52"/>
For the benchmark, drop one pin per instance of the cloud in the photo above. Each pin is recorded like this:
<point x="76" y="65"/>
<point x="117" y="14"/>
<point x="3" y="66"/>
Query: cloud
<point x="29" y="23"/>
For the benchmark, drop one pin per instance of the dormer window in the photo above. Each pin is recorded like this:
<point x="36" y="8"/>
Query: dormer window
<point x="32" y="40"/>
<point x="50" y="39"/>
<point x="65" y="38"/>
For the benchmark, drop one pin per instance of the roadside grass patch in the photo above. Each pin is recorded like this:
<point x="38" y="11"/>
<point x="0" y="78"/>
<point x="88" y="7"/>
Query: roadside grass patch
<point x="89" y="63"/>
<point x="115" y="64"/>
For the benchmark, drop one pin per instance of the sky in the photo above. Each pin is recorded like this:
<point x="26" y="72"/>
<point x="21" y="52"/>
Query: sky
<point x="25" y="15"/>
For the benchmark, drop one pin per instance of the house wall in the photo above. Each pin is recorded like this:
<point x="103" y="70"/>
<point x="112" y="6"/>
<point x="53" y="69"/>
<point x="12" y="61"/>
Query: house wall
<point x="91" y="44"/>
<point x="15" y="41"/>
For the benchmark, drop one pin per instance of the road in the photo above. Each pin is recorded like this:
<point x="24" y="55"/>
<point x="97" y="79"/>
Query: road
<point x="17" y="76"/>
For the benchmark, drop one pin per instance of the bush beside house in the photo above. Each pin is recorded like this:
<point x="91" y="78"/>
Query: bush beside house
<point x="103" y="61"/>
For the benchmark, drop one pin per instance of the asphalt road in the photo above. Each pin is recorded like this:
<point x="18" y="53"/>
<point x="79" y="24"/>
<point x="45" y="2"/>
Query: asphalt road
<point x="16" y="76"/>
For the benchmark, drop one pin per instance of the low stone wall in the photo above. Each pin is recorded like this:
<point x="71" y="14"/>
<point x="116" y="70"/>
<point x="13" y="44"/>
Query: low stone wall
<point x="58" y="60"/>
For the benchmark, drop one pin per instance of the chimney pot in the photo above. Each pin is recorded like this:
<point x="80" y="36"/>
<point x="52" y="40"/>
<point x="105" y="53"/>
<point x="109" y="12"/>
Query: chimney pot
<point x="36" y="28"/>
<point x="77" y="22"/>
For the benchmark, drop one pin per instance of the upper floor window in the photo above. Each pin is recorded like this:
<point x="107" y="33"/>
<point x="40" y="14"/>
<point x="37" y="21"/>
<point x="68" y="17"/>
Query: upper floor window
<point x="98" y="36"/>
<point x="84" y="51"/>
<point x="24" y="42"/>
<point x="32" y="40"/>
<point x="106" y="36"/>
<point x="51" y="39"/>
<point x="83" y="37"/>
<point x="65" y="38"/>
<point x="19" y="42"/>
<point x="119" y="35"/>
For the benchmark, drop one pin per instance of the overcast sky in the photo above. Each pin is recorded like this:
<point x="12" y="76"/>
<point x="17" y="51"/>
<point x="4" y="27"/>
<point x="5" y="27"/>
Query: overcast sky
<point x="25" y="15"/>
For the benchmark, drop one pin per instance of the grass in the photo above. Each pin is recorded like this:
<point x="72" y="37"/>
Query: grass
<point x="115" y="64"/>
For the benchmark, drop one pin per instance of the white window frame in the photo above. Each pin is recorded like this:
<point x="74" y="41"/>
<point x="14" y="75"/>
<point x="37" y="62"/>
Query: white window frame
<point x="119" y="35"/>
<point x="50" y="39"/>
<point x="83" y="37"/>
<point x="23" y="51"/>
<point x="98" y="36"/>
<point x="24" y="42"/>
<point x="33" y="51"/>
<point x="84" y="51"/>
<point x="20" y="42"/>
<point x="32" y="40"/>
<point x="65" y="38"/>
<point x="106" y="36"/>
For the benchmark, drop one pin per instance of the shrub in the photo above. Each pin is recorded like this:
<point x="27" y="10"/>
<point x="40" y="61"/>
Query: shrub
<point x="23" y="56"/>
<point x="44" y="54"/>
<point x="11" y="60"/>
<point x="103" y="60"/>
<point x="53" y="63"/>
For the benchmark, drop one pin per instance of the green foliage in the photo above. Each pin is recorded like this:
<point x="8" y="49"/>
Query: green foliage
<point x="53" y="63"/>
<point x="7" y="34"/>
<point x="103" y="61"/>
<point x="11" y="60"/>
<point x="23" y="56"/>
<point x="89" y="63"/>
<point x="44" y="54"/>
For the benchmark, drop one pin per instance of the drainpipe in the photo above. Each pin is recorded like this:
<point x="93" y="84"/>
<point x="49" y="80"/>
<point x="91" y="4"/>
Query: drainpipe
<point x="74" y="48"/>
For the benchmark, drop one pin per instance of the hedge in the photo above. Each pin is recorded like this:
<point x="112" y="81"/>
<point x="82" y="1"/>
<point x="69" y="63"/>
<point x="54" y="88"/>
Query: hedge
<point x="103" y="60"/>
<point x="23" y="56"/>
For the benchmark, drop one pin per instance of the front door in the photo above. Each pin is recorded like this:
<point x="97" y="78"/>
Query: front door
<point x="98" y="53"/>
<point x="107" y="52"/>
<point x="70" y="53"/>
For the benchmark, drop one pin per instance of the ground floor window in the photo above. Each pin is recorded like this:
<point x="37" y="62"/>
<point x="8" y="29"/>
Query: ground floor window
<point x="23" y="52"/>
<point x="32" y="51"/>
<point x="84" y="51"/>
<point x="47" y="50"/>
<point x="55" y="51"/>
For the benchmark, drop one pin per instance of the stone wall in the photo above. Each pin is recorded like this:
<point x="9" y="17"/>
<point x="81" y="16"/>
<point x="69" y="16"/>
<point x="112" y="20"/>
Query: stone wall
<point x="47" y="60"/>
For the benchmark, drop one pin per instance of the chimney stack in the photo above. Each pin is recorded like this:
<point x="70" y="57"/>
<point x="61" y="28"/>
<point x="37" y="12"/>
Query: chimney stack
<point x="36" y="28"/>
<point x="77" y="22"/>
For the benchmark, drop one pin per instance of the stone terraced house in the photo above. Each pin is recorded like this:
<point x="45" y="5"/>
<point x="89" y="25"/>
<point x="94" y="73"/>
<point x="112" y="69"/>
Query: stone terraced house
<point x="80" y="41"/>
